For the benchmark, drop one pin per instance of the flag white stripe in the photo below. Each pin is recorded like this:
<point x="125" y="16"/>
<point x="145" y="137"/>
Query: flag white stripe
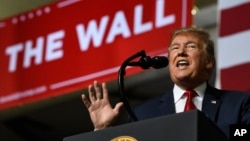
<point x="234" y="50"/>
<point x="225" y="4"/>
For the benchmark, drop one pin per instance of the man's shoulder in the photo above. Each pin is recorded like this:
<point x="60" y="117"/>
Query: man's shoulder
<point x="156" y="106"/>
<point x="227" y="93"/>
<point x="154" y="102"/>
<point x="160" y="98"/>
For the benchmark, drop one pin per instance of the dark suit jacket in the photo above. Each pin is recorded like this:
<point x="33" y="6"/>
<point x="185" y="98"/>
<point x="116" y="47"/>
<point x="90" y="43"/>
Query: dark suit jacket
<point x="221" y="106"/>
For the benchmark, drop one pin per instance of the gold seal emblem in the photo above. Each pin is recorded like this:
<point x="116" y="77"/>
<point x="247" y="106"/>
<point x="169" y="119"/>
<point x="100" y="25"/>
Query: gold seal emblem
<point x="124" y="138"/>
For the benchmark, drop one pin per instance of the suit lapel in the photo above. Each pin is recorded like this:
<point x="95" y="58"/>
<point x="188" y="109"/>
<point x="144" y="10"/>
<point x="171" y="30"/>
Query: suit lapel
<point x="167" y="105"/>
<point x="210" y="106"/>
<point x="211" y="103"/>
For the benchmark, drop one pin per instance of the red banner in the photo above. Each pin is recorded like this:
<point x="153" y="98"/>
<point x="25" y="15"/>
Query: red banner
<point x="63" y="47"/>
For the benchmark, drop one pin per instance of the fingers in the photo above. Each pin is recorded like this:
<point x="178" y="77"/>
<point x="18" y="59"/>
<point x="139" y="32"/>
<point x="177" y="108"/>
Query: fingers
<point x="105" y="91"/>
<point x="97" y="90"/>
<point x="85" y="101"/>
<point x="92" y="96"/>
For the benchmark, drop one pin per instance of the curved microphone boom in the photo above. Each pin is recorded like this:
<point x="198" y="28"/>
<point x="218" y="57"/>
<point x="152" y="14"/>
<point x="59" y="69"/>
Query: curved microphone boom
<point x="145" y="62"/>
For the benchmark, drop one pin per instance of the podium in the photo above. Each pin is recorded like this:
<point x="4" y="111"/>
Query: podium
<point x="186" y="126"/>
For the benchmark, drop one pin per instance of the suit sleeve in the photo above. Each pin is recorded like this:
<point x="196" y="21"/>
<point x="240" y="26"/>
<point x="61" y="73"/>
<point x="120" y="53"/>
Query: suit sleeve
<point x="246" y="111"/>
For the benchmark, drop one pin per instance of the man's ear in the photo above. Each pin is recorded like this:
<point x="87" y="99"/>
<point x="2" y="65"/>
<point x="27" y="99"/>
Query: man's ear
<point x="210" y="63"/>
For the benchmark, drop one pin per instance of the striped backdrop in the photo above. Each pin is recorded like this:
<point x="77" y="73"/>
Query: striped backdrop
<point x="233" y="60"/>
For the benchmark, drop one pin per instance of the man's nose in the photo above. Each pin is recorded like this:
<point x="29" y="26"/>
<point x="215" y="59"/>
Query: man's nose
<point x="182" y="51"/>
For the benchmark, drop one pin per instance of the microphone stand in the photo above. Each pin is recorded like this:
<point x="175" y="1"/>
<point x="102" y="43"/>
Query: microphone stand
<point x="122" y="73"/>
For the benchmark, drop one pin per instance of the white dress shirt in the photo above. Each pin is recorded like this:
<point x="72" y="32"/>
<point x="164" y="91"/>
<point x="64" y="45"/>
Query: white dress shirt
<point x="180" y="98"/>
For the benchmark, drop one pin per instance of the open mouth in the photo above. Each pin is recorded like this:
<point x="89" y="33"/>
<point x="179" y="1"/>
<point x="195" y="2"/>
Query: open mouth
<point x="182" y="64"/>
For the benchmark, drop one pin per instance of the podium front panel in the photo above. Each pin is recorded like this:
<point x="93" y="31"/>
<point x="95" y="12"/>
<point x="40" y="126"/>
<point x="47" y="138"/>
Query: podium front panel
<point x="191" y="126"/>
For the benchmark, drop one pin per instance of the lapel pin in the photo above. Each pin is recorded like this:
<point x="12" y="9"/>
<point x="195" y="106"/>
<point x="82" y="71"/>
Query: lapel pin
<point x="213" y="101"/>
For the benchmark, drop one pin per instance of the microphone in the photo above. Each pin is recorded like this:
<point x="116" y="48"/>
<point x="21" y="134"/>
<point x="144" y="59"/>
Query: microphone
<point x="146" y="62"/>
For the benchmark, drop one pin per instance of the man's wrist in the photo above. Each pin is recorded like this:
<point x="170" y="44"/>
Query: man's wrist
<point x="98" y="128"/>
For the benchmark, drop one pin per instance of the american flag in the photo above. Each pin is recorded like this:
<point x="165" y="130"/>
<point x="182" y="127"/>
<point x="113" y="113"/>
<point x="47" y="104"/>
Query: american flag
<point x="233" y="60"/>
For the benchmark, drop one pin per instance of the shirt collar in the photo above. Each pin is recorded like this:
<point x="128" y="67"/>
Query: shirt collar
<point x="178" y="92"/>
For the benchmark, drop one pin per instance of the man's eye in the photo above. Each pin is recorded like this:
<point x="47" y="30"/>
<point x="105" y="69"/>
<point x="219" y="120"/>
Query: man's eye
<point x="191" y="46"/>
<point x="174" y="47"/>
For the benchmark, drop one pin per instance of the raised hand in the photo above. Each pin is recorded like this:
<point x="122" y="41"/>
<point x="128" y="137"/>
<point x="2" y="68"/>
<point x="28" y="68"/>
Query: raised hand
<point x="101" y="112"/>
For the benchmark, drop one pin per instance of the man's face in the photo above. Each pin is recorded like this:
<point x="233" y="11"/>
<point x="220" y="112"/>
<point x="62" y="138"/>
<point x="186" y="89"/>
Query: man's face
<point x="188" y="61"/>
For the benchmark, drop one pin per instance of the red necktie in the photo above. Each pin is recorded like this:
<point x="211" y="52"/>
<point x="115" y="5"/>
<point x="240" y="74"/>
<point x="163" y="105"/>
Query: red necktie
<point x="189" y="103"/>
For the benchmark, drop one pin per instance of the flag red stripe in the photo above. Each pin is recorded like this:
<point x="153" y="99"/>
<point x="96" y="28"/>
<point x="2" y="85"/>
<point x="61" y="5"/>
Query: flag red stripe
<point x="235" y="19"/>
<point x="236" y="78"/>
